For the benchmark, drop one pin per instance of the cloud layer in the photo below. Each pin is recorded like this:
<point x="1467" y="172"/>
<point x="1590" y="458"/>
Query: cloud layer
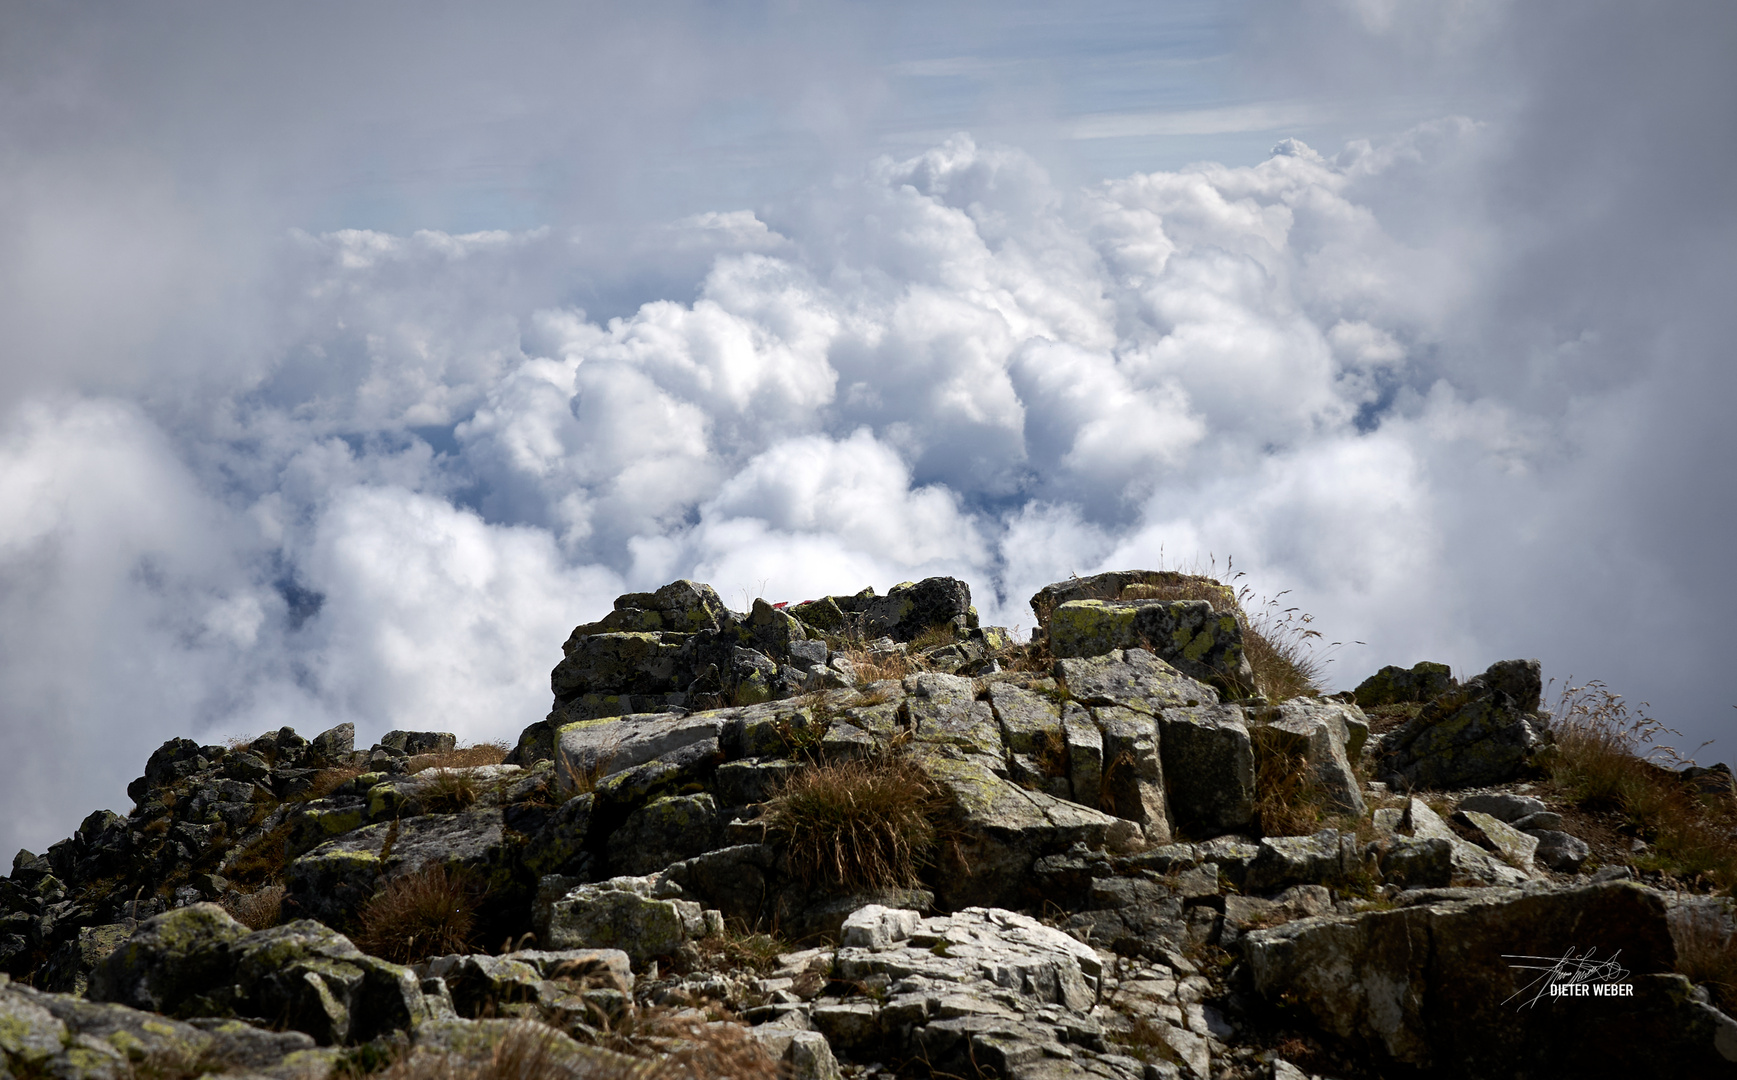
<point x="1457" y="387"/>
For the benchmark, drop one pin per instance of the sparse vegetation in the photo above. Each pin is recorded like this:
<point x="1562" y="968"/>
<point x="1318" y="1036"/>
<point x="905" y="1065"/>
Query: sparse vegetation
<point x="738" y="950"/>
<point x="582" y="777"/>
<point x="1706" y="943"/>
<point x="667" y="1045"/>
<point x="448" y="792"/>
<point x="1278" y="643"/>
<point x="1144" y="1040"/>
<point x="429" y="912"/>
<point x="528" y="1052"/>
<point x="1052" y="752"/>
<point x="934" y="637"/>
<point x="872" y="669"/>
<point x="1604" y="760"/>
<point x="257" y="910"/>
<point x="857" y="824"/>
<point x="1288" y="800"/>
<point x="463" y="757"/>
<point x="261" y="862"/>
<point x="327" y="781"/>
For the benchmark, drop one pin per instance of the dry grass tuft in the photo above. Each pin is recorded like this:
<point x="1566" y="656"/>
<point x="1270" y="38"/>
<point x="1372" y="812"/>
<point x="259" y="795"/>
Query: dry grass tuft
<point x="327" y="781"/>
<point x="738" y="950"/>
<point x="869" y="669"/>
<point x="934" y="637"/>
<point x="707" y="1051"/>
<point x="430" y="912"/>
<point x="1144" y="1040"/>
<point x="1288" y="799"/>
<point x="1601" y="762"/>
<point x="464" y="757"/>
<point x="262" y="861"/>
<point x="1052" y="752"/>
<point x="258" y="910"/>
<point x="1279" y="644"/>
<point x="448" y="792"/>
<point x="866" y="824"/>
<point x="582" y="777"/>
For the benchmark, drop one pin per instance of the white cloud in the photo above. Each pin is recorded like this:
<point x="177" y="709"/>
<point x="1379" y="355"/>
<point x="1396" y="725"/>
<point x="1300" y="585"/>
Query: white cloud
<point x="435" y="620"/>
<point x="1457" y="387"/>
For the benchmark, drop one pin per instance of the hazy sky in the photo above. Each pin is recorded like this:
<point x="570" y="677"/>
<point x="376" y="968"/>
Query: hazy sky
<point x="351" y="353"/>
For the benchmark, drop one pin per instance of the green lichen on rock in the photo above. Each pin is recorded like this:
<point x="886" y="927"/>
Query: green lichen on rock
<point x="29" y="1033"/>
<point x="1188" y="634"/>
<point x="603" y="917"/>
<point x="171" y="958"/>
<point x="664" y="831"/>
<point x="1394" y="685"/>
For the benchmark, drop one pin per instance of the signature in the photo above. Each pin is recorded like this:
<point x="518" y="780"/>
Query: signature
<point x="1576" y="974"/>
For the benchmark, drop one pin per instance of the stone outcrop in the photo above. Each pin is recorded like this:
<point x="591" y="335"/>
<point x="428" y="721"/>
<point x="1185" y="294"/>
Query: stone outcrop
<point x="1099" y="902"/>
<point x="1394" y="685"/>
<point x="1483" y="733"/>
<point x="1189" y="634"/>
<point x="197" y="961"/>
<point x="1454" y="987"/>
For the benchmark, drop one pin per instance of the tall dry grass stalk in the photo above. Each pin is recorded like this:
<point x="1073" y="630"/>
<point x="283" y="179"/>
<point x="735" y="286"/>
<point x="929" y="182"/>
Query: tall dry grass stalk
<point x="1280" y="646"/>
<point x="865" y="824"/>
<point x="1607" y="756"/>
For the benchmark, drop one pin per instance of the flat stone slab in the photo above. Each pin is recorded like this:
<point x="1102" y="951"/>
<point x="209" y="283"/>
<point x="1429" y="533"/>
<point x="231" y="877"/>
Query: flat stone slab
<point x="987" y="947"/>
<point x="597" y="748"/>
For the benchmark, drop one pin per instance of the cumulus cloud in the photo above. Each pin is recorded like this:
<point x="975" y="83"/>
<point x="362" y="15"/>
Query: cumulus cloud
<point x="1460" y="418"/>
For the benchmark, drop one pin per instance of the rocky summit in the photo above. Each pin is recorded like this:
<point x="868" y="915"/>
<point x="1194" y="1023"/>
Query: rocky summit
<point x="865" y="836"/>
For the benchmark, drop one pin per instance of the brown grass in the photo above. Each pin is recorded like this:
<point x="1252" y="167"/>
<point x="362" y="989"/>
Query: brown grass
<point x="1288" y="799"/>
<point x="583" y="778"/>
<point x="1707" y="950"/>
<point x="258" y="910"/>
<point x="327" y="781"/>
<point x="448" y="793"/>
<point x="1052" y="752"/>
<point x="870" y="670"/>
<point x="1144" y="1040"/>
<point x="865" y="824"/>
<point x="530" y="1051"/>
<point x="934" y="637"/>
<point x="711" y="1051"/>
<point x="429" y="912"/>
<point x="1279" y="644"/>
<point x="1602" y="761"/>
<point x="684" y="1045"/>
<point x="738" y="950"/>
<point x="464" y="757"/>
<point x="262" y="861"/>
